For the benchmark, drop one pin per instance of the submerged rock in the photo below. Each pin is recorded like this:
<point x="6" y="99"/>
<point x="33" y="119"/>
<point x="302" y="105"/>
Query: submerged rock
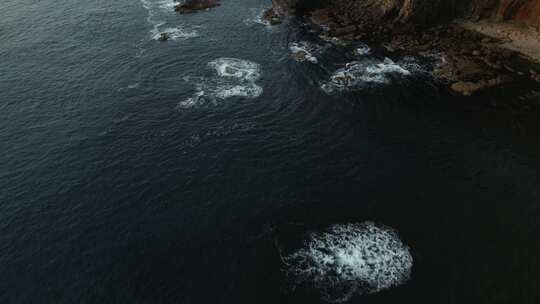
<point x="164" y="37"/>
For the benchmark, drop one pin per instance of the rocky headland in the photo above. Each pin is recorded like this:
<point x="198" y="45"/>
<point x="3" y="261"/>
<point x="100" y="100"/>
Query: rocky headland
<point x="480" y="43"/>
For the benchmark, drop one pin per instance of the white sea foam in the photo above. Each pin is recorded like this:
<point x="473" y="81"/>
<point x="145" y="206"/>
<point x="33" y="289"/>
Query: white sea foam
<point x="250" y="91"/>
<point x="358" y="75"/>
<point x="233" y="78"/>
<point x="412" y="65"/>
<point x="196" y="99"/>
<point x="167" y="4"/>
<point x="302" y="51"/>
<point x="178" y="33"/>
<point x="237" y="68"/>
<point x="350" y="259"/>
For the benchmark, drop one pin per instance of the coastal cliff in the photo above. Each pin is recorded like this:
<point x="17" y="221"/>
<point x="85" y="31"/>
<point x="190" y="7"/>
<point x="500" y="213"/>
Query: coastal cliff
<point x="481" y="43"/>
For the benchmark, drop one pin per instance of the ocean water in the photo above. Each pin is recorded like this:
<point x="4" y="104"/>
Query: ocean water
<point x="219" y="167"/>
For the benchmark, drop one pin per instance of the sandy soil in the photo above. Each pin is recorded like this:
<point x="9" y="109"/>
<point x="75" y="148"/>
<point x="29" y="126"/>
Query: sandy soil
<point x="516" y="37"/>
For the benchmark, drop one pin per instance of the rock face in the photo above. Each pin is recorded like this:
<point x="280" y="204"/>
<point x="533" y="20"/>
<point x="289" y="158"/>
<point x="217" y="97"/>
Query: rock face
<point x="524" y="11"/>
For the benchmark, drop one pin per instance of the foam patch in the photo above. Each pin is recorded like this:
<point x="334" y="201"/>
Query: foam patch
<point x="350" y="259"/>
<point x="233" y="78"/>
<point x="359" y="75"/>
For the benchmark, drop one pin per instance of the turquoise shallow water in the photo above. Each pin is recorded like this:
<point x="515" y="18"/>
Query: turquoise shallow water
<point x="134" y="171"/>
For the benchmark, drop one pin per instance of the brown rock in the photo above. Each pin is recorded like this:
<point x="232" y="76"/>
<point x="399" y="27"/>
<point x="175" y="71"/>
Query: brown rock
<point x="320" y="17"/>
<point x="466" y="88"/>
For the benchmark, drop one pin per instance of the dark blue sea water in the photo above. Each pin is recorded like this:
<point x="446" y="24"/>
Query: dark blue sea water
<point x="132" y="171"/>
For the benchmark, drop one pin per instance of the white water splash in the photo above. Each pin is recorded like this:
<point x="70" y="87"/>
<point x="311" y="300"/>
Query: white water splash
<point x="302" y="51"/>
<point x="350" y="259"/>
<point x="232" y="67"/>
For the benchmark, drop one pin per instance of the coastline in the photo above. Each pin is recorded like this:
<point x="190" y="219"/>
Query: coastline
<point x="478" y="52"/>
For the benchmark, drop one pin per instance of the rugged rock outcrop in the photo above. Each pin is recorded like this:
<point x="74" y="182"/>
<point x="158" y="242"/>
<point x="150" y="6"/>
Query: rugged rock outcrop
<point x="478" y="40"/>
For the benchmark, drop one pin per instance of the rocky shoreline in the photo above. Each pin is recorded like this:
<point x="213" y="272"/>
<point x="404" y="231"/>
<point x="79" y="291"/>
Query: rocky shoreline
<point x="471" y="60"/>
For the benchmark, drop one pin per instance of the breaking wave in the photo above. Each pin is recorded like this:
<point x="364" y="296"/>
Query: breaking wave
<point x="350" y="259"/>
<point x="360" y="75"/>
